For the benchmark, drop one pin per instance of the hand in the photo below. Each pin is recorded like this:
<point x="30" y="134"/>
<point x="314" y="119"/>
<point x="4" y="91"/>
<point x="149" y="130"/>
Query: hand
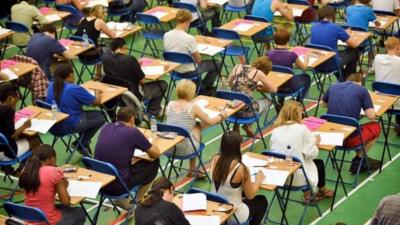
<point x="224" y="114"/>
<point x="259" y="177"/>
<point x="317" y="139"/>
<point x="27" y="124"/>
<point x="377" y="23"/>
<point x="98" y="92"/>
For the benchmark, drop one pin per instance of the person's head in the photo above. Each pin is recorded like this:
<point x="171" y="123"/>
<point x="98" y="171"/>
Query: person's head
<point x="62" y="73"/>
<point x="118" y="45"/>
<point x="291" y="111"/>
<point x="392" y="45"/>
<point x="229" y="152"/>
<point x="42" y="155"/>
<point x="127" y="116"/>
<point x="183" y="18"/>
<point x="185" y="89"/>
<point x="263" y="64"/>
<point x="97" y="11"/>
<point x="326" y="12"/>
<point x="355" y="77"/>
<point x="281" y="36"/>
<point x="49" y="30"/>
<point x="162" y="188"/>
<point x="364" y="2"/>
<point x="9" y="95"/>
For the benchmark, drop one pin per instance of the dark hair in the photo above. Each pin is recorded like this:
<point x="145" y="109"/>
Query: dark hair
<point x="50" y="28"/>
<point x="29" y="179"/>
<point x="61" y="72"/>
<point x="156" y="191"/>
<point x="7" y="90"/>
<point x="326" y="11"/>
<point x="117" y="43"/>
<point x="281" y="37"/>
<point x="230" y="151"/>
<point x="125" y="114"/>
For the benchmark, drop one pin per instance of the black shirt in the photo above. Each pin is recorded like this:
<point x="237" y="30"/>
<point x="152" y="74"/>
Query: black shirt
<point x="90" y="29"/>
<point x="125" y="67"/>
<point x="160" y="213"/>
<point x="7" y="128"/>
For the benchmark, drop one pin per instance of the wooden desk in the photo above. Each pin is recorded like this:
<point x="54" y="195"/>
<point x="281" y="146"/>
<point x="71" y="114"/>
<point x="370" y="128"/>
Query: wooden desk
<point x="385" y="101"/>
<point x="41" y="113"/>
<point x="334" y="127"/>
<point x="297" y="10"/>
<point x="170" y="13"/>
<point x="21" y="68"/>
<point x="218" y="104"/>
<point x="359" y="36"/>
<point x="218" y="42"/>
<point x="321" y="55"/>
<point x="168" y="67"/>
<point x="74" y="48"/>
<point x="49" y="13"/>
<point x="385" y="20"/>
<point x="212" y="207"/>
<point x="278" y="163"/>
<point x="277" y="78"/>
<point x="7" y="34"/>
<point x="108" y="91"/>
<point x="122" y="33"/>
<point x="93" y="176"/>
<point x="256" y="26"/>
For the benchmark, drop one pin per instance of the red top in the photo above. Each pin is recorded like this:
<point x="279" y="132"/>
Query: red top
<point x="309" y="14"/>
<point x="44" y="198"/>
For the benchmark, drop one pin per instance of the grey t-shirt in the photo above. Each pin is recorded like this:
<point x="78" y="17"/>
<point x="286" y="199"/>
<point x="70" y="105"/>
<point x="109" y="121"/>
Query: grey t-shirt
<point x="388" y="211"/>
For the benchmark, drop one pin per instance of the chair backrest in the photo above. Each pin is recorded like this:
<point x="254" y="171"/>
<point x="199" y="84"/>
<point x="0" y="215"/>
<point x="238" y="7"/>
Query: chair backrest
<point x="80" y="39"/>
<point x="178" y="57"/>
<point x="182" y="5"/>
<point x="17" y="27"/>
<point x="225" y="34"/>
<point x="43" y="104"/>
<point x="231" y="95"/>
<point x="256" y="18"/>
<point x="299" y="2"/>
<point x="4" y="142"/>
<point x="25" y="213"/>
<point x="355" y="28"/>
<point x="163" y="127"/>
<point x="343" y="120"/>
<point x="211" y="196"/>
<point x="147" y="19"/>
<point x="67" y="8"/>
<point x="282" y="69"/>
<point x="331" y="65"/>
<point x="386" y="88"/>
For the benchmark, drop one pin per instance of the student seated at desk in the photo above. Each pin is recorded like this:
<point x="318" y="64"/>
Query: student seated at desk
<point x="79" y="5"/>
<point x="183" y="112"/>
<point x="231" y="179"/>
<point x="120" y="65"/>
<point x="386" y="66"/>
<point x="26" y="13"/>
<point x="347" y="99"/>
<point x="126" y="137"/>
<point x="310" y="14"/>
<point x="42" y="47"/>
<point x="207" y="13"/>
<point x="289" y="132"/>
<point x="246" y="79"/>
<point x="157" y="207"/>
<point x="70" y="98"/>
<point x="178" y="40"/>
<point x="19" y="143"/>
<point x="360" y="14"/>
<point x="41" y="181"/>
<point x="387" y="5"/>
<point x="93" y="24"/>
<point x="327" y="33"/>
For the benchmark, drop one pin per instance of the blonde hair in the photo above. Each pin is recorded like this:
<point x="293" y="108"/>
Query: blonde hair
<point x="291" y="111"/>
<point x="97" y="11"/>
<point x="185" y="89"/>
<point x="392" y="43"/>
<point x="183" y="15"/>
<point x="262" y="63"/>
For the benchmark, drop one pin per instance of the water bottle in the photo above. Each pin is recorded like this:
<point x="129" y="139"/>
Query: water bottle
<point x="85" y="39"/>
<point x="153" y="126"/>
<point x="289" y="155"/>
<point x="54" y="109"/>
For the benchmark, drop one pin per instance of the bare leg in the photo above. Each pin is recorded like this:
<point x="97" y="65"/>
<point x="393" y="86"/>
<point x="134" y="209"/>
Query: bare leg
<point x="368" y="146"/>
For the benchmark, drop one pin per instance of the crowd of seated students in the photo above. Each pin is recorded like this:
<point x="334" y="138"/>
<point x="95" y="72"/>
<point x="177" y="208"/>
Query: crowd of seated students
<point x="41" y="180"/>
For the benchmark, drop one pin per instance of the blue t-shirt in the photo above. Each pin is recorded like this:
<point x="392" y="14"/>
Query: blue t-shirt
<point x="42" y="48"/>
<point x="359" y="15"/>
<point x="72" y="99"/>
<point x="262" y="8"/>
<point x="347" y="99"/>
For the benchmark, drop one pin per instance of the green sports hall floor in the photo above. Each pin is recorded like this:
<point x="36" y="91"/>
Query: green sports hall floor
<point x="355" y="209"/>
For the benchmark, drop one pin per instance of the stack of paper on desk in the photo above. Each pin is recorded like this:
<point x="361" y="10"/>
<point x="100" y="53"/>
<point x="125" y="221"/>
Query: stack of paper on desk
<point x="153" y="70"/>
<point x="41" y="125"/>
<point x="194" y="202"/>
<point x="10" y="74"/>
<point x="159" y="14"/>
<point x="272" y="176"/>
<point x="83" y="188"/>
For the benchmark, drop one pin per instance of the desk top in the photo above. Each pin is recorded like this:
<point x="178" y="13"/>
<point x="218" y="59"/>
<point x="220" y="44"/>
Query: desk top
<point x="168" y="67"/>
<point x="108" y="91"/>
<point x="256" y="26"/>
<point x="7" y="34"/>
<point x="123" y="33"/>
<point x="320" y="56"/>
<point x="21" y="68"/>
<point x="385" y="101"/>
<point x="277" y="78"/>
<point x="334" y="127"/>
<point x="212" y="41"/>
<point x="74" y="48"/>
<point x="385" y="20"/>
<point x="359" y="36"/>
<point x="164" y="13"/>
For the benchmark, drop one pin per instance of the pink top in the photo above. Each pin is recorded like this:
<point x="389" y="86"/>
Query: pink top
<point x="44" y="197"/>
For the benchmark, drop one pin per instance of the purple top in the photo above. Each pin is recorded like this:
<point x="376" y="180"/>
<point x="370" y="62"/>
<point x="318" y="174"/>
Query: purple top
<point x="282" y="57"/>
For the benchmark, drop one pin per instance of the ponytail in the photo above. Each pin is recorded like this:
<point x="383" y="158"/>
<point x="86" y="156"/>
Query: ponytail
<point x="29" y="179"/>
<point x="61" y="73"/>
<point x="156" y="192"/>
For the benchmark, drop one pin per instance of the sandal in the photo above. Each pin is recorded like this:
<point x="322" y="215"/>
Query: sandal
<point x="326" y="193"/>
<point x="308" y="198"/>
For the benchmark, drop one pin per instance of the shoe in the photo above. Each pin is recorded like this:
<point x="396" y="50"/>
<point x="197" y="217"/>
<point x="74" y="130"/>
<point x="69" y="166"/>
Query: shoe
<point x="326" y="193"/>
<point x="373" y="164"/>
<point x="308" y="198"/>
<point x="355" y="162"/>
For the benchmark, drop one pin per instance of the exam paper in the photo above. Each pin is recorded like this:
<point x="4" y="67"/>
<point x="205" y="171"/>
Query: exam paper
<point x="10" y="74"/>
<point x="243" y="27"/>
<point x="311" y="59"/>
<point x="210" y="113"/>
<point x="203" y="220"/>
<point x="159" y="14"/>
<point x="330" y="138"/>
<point x="20" y="122"/>
<point x="41" y="125"/>
<point x="139" y="153"/>
<point x="194" y="202"/>
<point x="272" y="176"/>
<point x="202" y="103"/>
<point x="86" y="189"/>
<point x="376" y="108"/>
<point x="210" y="50"/>
<point x="153" y="70"/>
<point x="52" y="18"/>
<point x="218" y="2"/>
<point x="251" y="161"/>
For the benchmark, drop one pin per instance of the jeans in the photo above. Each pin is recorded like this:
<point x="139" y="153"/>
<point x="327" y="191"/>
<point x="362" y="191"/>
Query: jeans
<point x="154" y="93"/>
<point x="90" y="122"/>
<point x="349" y="58"/>
<point x="297" y="81"/>
<point x="321" y="172"/>
<point x="71" y="215"/>
<point x="211" y="68"/>
<point x="257" y="208"/>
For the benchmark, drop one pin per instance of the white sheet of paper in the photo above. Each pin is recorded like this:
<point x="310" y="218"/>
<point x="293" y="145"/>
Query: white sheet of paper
<point x="139" y="153"/>
<point x="117" y="34"/>
<point x="10" y="74"/>
<point x="383" y="23"/>
<point x="210" y="50"/>
<point x="117" y="26"/>
<point x="91" y="91"/>
<point x="193" y="202"/>
<point x="330" y="138"/>
<point x="20" y="122"/>
<point x="243" y="27"/>
<point x="41" y="125"/>
<point x="297" y="12"/>
<point x="272" y="177"/>
<point x="153" y="70"/>
<point x="311" y="59"/>
<point x="86" y="189"/>
<point x="251" y="161"/>
<point x="218" y="2"/>
<point x="203" y="220"/>
<point x="53" y="17"/>
<point x="376" y="108"/>
<point x="93" y="3"/>
<point x="341" y="43"/>
<point x="4" y="31"/>
<point x="159" y="14"/>
<point x="210" y="113"/>
<point x="202" y="103"/>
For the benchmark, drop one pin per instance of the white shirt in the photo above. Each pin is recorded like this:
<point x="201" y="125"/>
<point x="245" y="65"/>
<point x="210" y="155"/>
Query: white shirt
<point x="387" y="68"/>
<point x="302" y="144"/>
<point x="385" y="5"/>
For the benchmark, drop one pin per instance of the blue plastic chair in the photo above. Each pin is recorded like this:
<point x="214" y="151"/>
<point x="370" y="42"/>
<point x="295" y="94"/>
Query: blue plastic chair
<point x="301" y="32"/>
<point x="73" y="12"/>
<point x="389" y="89"/>
<point x="287" y="189"/>
<point x="120" y="11"/>
<point x="199" y="23"/>
<point x="260" y="39"/>
<point x="211" y="196"/>
<point x="17" y="160"/>
<point x="229" y="10"/>
<point x="197" y="151"/>
<point x="232" y="50"/>
<point x="19" y="28"/>
<point x="340" y="8"/>
<point x="152" y="31"/>
<point x="230" y="95"/>
<point x="25" y="213"/>
<point x="108" y="168"/>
